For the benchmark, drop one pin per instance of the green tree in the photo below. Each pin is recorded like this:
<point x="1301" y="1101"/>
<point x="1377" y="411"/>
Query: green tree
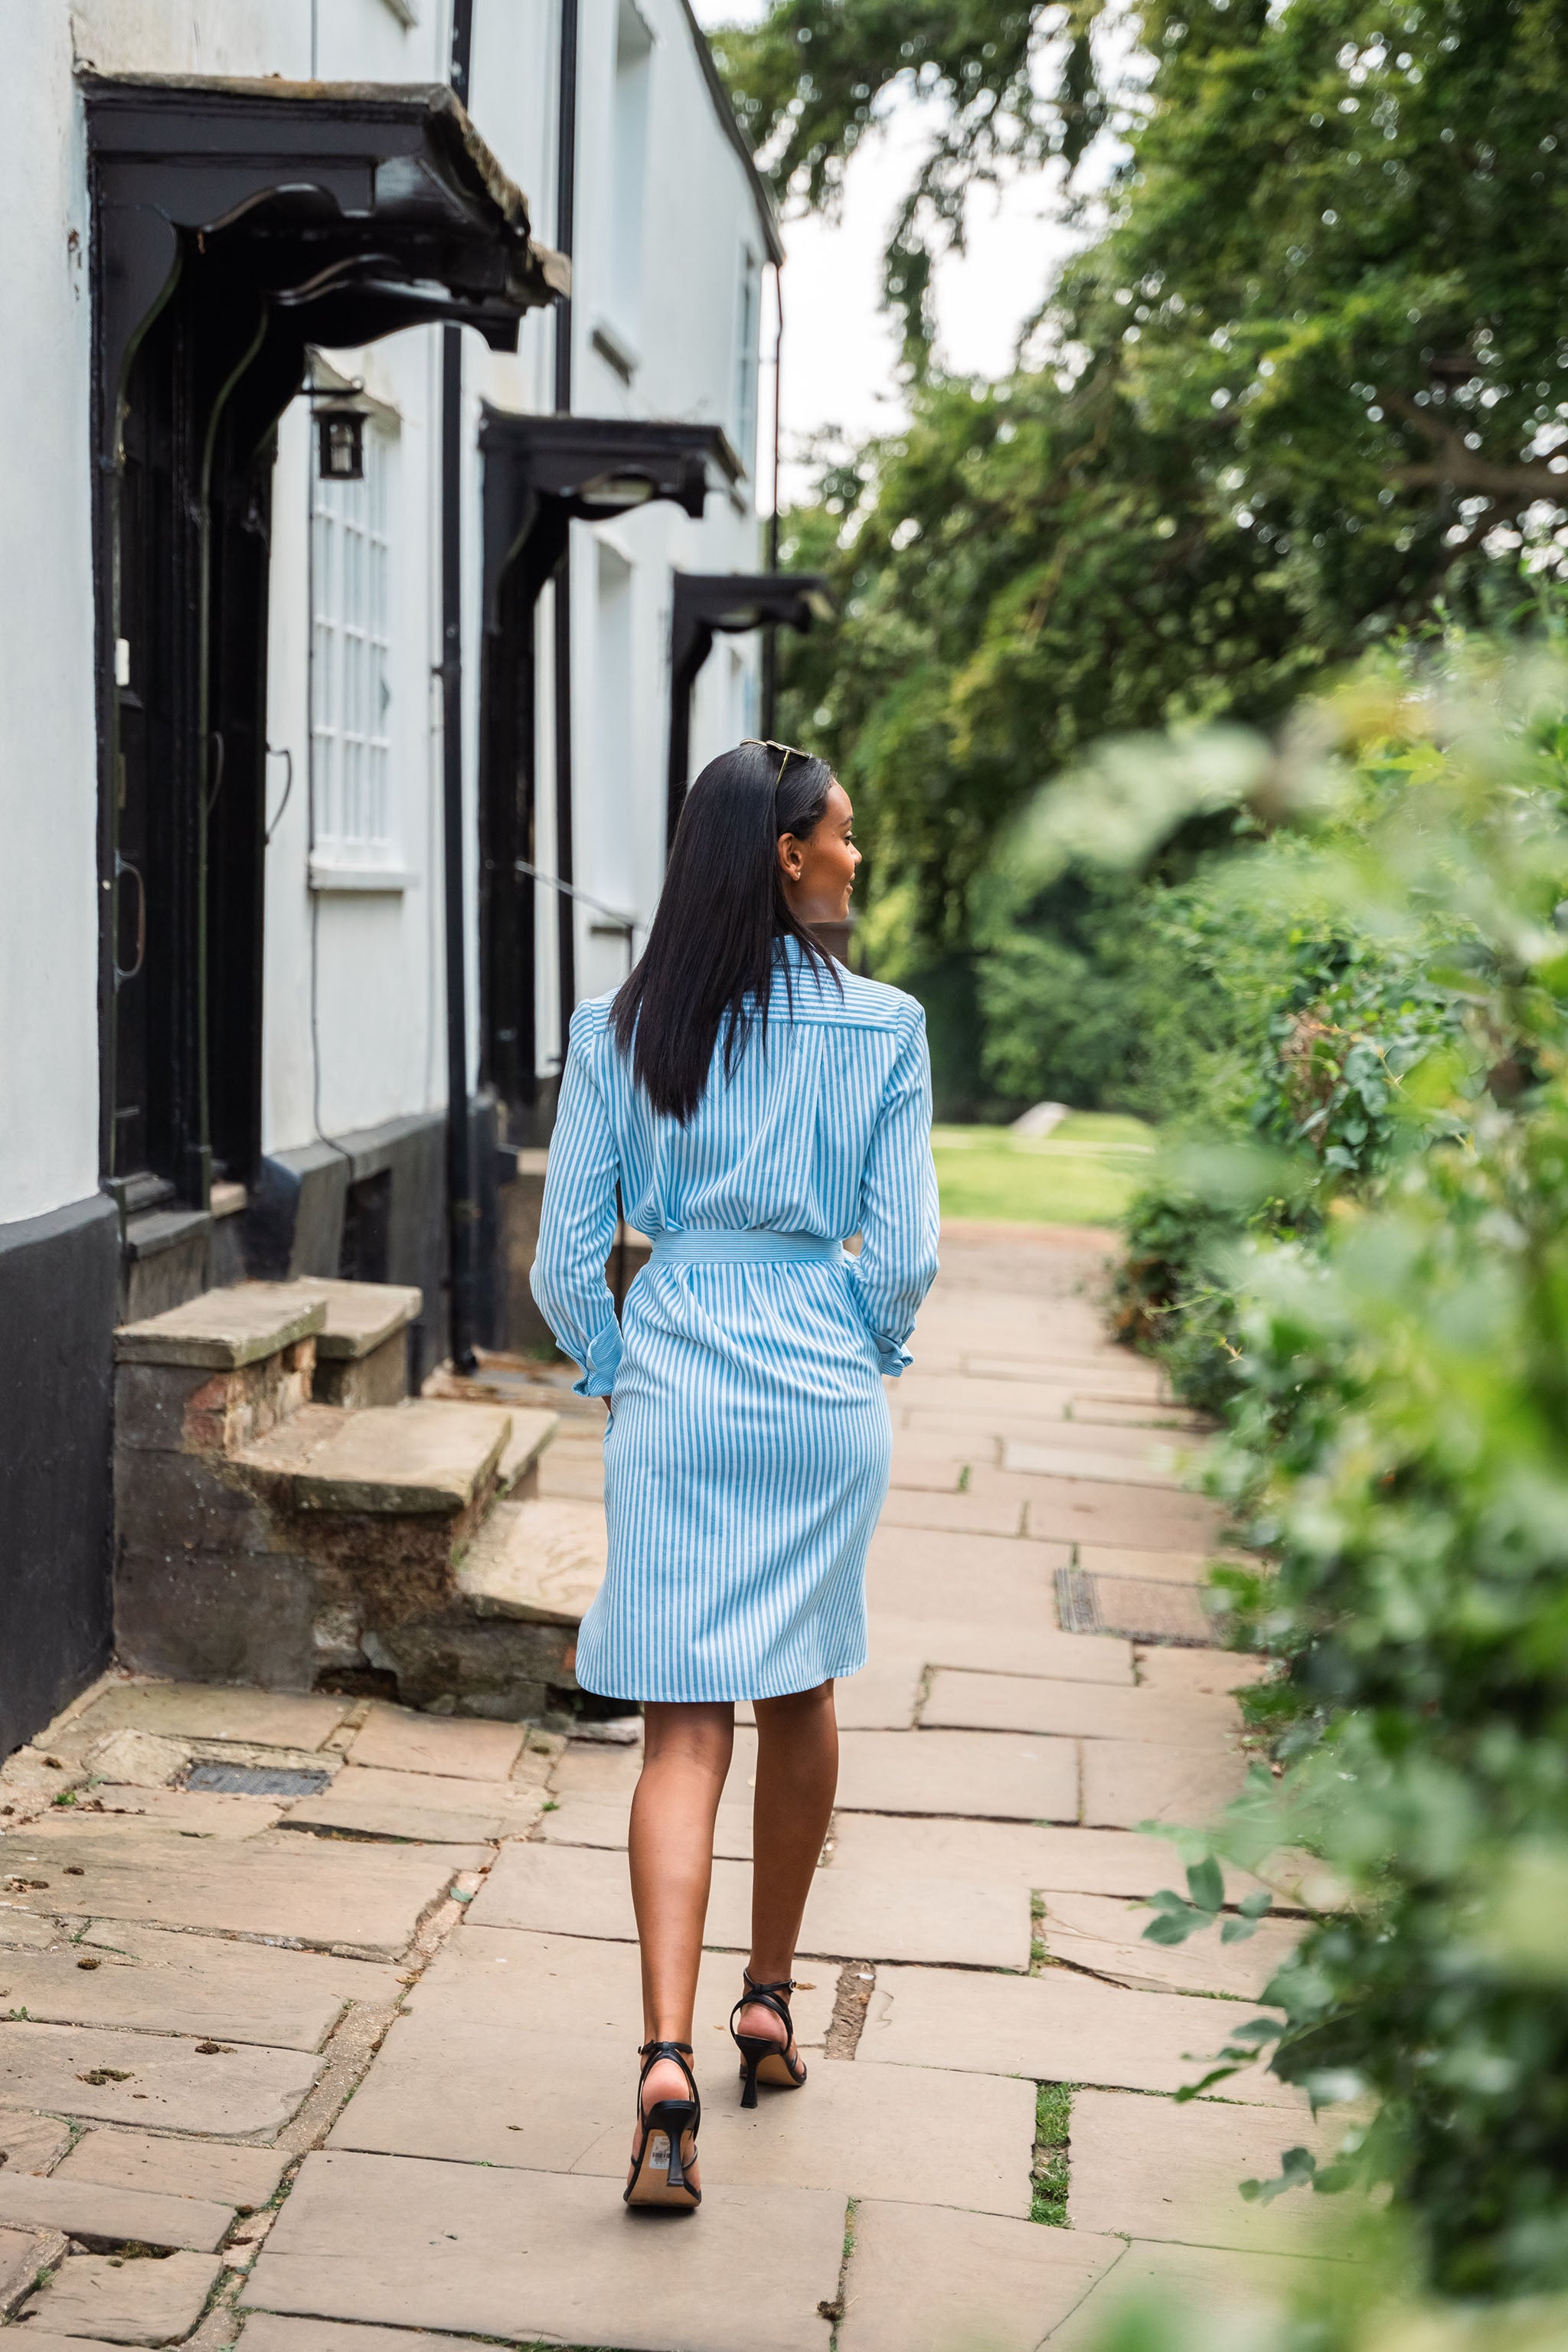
<point x="1308" y="377"/>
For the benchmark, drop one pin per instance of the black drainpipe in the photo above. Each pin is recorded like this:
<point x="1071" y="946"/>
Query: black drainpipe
<point x="566" y="204"/>
<point x="462" y="1209"/>
<point x="771" y="634"/>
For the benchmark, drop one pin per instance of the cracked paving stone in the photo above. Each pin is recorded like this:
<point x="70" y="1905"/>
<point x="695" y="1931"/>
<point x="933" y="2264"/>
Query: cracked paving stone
<point x="118" y="2301"/>
<point x="519" y="2255"/>
<point x="1057" y="2027"/>
<point x="924" y="2280"/>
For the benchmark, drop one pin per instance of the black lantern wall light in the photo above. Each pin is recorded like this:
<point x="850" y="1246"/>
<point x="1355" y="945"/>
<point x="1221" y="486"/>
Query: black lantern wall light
<point x="340" y="413"/>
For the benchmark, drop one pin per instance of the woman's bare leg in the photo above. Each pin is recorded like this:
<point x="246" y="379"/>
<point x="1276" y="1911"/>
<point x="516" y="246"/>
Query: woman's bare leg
<point x="797" y="1775"/>
<point x="685" y="1754"/>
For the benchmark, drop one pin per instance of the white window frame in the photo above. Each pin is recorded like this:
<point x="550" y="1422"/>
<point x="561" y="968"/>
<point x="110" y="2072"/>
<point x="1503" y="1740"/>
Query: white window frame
<point x="353" y="629"/>
<point x="748" y="358"/>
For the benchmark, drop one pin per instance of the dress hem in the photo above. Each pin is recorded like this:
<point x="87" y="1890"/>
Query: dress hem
<point x="724" y="1698"/>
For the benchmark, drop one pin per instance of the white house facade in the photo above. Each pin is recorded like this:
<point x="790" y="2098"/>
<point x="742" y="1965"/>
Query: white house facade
<point x="379" y="413"/>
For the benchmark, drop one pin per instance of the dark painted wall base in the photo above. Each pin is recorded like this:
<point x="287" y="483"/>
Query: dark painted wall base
<point x="58" y="1280"/>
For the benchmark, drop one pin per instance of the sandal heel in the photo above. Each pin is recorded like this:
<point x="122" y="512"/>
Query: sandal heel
<point x="753" y="2052"/>
<point x="787" y="2070"/>
<point x="674" y="2117"/>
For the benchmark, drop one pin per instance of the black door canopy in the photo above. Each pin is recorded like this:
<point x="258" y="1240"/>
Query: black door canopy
<point x="588" y="468"/>
<point x="352" y="208"/>
<point x="725" y="603"/>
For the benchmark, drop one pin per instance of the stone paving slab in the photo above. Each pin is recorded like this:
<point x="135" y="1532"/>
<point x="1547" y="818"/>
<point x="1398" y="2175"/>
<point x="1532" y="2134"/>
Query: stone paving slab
<point x="583" y="1891"/>
<point x="589" y="1821"/>
<point x="1040" y="1392"/>
<point x="884" y="1696"/>
<point x="999" y="1583"/>
<point x="191" y="1813"/>
<point x="1139" y="1565"/>
<point x="207" y="1711"/>
<point x="205" y="1986"/>
<point x="1093" y="1931"/>
<point x="91" y="2208"/>
<point x="245" y="2178"/>
<point x="265" y="2332"/>
<point x="126" y="2302"/>
<point x="32" y="2144"/>
<point x="973" y="1513"/>
<point x="602" y="1775"/>
<point x="574" y="1985"/>
<point x="1078" y="1456"/>
<point x="1128" y="1781"/>
<point x="1071" y="1861"/>
<point x="24" y="2253"/>
<point x="1044" y="1651"/>
<point x="963" y="2142"/>
<point x="925" y="2280"/>
<point x="398" y="1739"/>
<point x="520" y="2255"/>
<point x="472" y="2094"/>
<point x="1230" y="2302"/>
<point x="1215" y="1672"/>
<point x="1057" y="2027"/>
<point x="372" y="1802"/>
<point x="1073" y="1711"/>
<point x="1149" y="2168"/>
<point x="366" y="1899"/>
<point x="1087" y="1511"/>
<point x="21" y="1932"/>
<point x="153" y="2079"/>
<point x="997" y="1776"/>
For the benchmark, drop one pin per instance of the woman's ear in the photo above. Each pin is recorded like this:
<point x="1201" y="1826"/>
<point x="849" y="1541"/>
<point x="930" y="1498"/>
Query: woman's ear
<point x="789" y="857"/>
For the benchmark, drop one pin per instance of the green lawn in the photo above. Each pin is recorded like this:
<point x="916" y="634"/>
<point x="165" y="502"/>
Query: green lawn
<point x="1082" y="1174"/>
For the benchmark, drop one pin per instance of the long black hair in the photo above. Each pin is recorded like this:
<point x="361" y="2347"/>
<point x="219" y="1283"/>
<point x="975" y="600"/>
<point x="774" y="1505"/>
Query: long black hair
<point x="712" y="953"/>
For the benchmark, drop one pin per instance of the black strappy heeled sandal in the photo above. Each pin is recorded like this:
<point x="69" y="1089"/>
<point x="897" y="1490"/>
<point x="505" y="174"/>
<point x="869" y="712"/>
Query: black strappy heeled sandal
<point x="778" y="2065"/>
<point x="669" y="2142"/>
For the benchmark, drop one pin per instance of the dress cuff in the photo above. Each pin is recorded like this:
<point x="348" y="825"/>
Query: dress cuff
<point x="892" y="1358"/>
<point x="603" y="1361"/>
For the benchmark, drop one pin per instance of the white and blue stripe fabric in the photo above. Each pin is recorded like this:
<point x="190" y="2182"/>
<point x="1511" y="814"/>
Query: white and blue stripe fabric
<point x="747" y="1454"/>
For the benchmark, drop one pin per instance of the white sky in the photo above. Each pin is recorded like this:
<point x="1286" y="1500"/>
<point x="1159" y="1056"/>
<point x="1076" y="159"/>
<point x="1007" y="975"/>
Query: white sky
<point x="839" y="350"/>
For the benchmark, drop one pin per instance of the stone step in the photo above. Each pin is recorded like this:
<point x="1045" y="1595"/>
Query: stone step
<point x="532" y="1432"/>
<point x="224" y="1330"/>
<point x="361" y="1349"/>
<point x="402" y="1459"/>
<point x="541" y="1560"/>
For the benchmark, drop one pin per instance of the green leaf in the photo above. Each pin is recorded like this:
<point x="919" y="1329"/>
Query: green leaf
<point x="1205" y="1884"/>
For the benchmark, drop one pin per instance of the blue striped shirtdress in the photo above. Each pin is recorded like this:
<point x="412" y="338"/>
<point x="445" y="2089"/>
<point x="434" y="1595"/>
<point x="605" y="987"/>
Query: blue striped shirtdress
<point x="747" y="1454"/>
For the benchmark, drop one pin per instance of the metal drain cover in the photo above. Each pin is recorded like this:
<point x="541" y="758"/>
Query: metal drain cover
<point x="255" y="1780"/>
<point x="1139" y="1608"/>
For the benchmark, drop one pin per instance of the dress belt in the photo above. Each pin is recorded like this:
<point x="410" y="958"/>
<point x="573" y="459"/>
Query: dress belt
<point x="725" y="1245"/>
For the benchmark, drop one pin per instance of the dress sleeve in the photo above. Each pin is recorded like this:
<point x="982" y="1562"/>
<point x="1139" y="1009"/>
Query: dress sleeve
<point x="899" y="1215"/>
<point x="577" y="1222"/>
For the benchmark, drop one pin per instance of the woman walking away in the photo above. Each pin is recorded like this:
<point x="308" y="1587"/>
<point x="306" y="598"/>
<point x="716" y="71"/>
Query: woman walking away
<point x="756" y="1104"/>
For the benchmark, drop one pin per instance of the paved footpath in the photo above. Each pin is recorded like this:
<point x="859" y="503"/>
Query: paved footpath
<point x="344" y="2064"/>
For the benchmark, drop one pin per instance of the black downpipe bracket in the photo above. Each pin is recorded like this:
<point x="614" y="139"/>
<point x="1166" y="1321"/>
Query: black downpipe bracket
<point x="565" y="208"/>
<point x="462" y="1209"/>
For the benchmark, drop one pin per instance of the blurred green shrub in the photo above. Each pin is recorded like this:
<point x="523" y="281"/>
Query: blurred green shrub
<point x="1381" y="1310"/>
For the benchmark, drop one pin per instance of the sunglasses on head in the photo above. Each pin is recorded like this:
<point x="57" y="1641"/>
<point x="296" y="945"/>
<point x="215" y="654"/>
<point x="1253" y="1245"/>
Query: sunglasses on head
<point x="765" y="743"/>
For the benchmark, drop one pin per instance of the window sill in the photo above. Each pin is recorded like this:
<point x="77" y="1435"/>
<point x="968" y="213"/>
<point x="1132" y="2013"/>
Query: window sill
<point x="328" y="877"/>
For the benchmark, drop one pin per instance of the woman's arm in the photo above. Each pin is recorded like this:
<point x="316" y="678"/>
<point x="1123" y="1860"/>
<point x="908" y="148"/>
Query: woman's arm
<point x="899" y="1215"/>
<point x="577" y="1221"/>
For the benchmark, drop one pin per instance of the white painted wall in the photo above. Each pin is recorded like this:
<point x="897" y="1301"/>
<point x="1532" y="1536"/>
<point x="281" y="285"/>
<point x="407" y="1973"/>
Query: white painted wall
<point x="355" y="1022"/>
<point x="48" y="784"/>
